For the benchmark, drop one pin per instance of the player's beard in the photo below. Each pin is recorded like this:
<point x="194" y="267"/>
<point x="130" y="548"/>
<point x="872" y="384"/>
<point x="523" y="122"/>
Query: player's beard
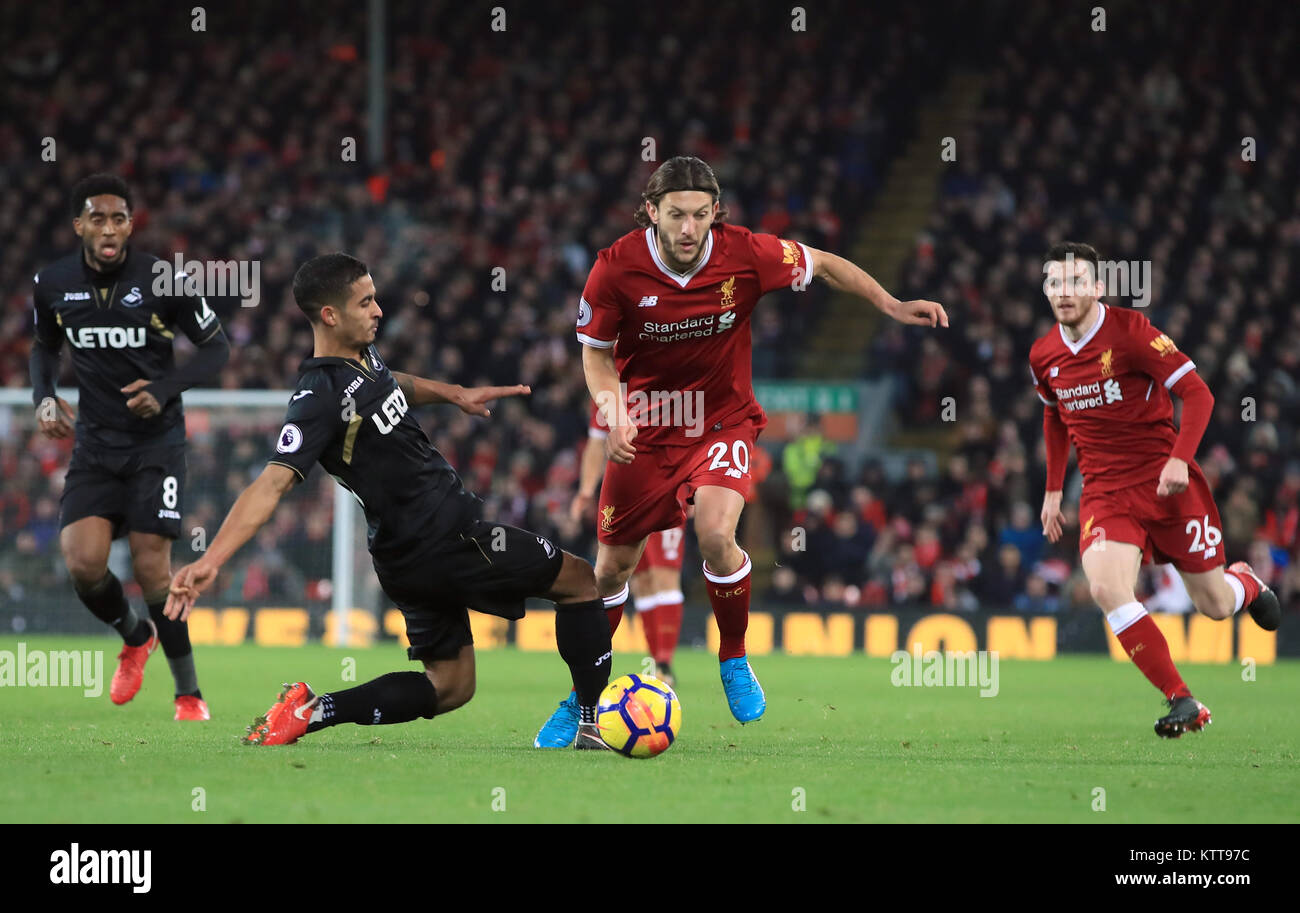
<point x="671" y="257"/>
<point x="1077" y="317"/>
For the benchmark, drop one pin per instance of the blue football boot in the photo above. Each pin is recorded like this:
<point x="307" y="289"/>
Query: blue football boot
<point x="744" y="694"/>
<point x="562" y="728"/>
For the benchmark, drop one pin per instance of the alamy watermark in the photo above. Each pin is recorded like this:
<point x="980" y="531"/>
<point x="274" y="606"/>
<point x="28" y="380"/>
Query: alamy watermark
<point x="23" y="668"/>
<point x="77" y="866"/>
<point x="950" y="668"/>
<point x="1119" y="279"/>
<point x="240" y="279"/>
<point x="676" y="408"/>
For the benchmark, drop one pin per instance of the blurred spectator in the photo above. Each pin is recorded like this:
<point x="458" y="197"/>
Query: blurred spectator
<point x="801" y="459"/>
<point x="1037" y="597"/>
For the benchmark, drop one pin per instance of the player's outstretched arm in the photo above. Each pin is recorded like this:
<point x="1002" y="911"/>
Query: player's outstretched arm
<point x="420" y="391"/>
<point x="845" y="276"/>
<point x="250" y="512"/>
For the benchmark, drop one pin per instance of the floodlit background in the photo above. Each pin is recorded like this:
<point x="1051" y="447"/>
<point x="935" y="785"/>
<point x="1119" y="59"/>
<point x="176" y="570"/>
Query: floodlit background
<point x="478" y="163"/>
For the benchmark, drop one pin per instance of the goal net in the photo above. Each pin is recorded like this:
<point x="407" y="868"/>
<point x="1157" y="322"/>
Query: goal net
<point x="305" y="575"/>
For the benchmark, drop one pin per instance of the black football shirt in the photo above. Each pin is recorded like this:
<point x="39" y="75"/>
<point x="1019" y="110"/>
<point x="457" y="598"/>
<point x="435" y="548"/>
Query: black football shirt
<point x="119" y="331"/>
<point x="350" y="416"/>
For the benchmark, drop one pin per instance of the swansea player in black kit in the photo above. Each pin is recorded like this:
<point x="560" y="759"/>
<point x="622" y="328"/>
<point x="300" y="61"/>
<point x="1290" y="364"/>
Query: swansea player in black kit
<point x="433" y="553"/>
<point x="127" y="474"/>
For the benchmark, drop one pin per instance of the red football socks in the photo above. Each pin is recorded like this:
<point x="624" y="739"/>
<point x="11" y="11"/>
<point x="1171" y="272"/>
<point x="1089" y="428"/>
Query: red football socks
<point x="666" y="621"/>
<point x="614" y="608"/>
<point x="1248" y="583"/>
<point x="729" y="596"/>
<point x="1149" y="650"/>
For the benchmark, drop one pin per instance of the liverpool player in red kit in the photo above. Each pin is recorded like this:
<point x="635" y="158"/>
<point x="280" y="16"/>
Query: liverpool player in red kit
<point x="664" y="323"/>
<point x="1105" y="376"/>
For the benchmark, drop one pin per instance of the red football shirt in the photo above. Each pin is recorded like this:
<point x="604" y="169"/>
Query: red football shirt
<point x="682" y="340"/>
<point x="1111" y="388"/>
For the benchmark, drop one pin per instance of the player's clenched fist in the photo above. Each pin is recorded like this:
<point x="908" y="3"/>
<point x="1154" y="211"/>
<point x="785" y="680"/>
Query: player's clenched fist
<point x="618" y="446"/>
<point x="141" y="401"/>
<point x="55" y="417"/>
<point x="1173" y="478"/>
<point x="1052" y="518"/>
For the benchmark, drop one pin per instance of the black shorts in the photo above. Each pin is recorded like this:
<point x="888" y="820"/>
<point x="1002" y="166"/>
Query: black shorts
<point x="488" y="567"/>
<point x="138" y="490"/>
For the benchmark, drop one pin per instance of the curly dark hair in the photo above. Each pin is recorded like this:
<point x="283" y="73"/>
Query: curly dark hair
<point x="95" y="185"/>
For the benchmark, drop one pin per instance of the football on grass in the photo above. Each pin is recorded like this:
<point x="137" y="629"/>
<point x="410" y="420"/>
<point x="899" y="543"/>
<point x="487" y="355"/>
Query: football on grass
<point x="638" y="716"/>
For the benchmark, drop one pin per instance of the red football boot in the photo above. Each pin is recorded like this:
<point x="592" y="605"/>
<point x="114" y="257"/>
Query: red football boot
<point x="130" y="668"/>
<point x="287" y="719"/>
<point x="189" y="707"/>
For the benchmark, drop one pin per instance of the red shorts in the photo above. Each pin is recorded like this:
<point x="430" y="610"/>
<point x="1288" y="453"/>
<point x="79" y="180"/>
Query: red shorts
<point x="1183" y="530"/>
<point x="651" y="492"/>
<point x="663" y="549"/>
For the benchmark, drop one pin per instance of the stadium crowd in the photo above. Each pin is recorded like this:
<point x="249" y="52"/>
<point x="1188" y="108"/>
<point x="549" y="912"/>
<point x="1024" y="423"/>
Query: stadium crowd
<point x="526" y="156"/>
<point x="524" y="151"/>
<point x="1145" y="156"/>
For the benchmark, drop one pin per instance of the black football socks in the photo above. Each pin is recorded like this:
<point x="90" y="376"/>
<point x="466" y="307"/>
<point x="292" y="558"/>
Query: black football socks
<point x="582" y="636"/>
<point x="108" y="603"/>
<point x="175" y="639"/>
<point x="397" y="697"/>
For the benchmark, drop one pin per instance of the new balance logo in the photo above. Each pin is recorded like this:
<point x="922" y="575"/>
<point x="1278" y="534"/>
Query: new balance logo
<point x="648" y="301"/>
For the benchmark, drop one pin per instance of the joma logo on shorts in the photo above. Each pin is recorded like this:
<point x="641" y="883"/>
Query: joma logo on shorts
<point x="394" y="408"/>
<point x="106" y="337"/>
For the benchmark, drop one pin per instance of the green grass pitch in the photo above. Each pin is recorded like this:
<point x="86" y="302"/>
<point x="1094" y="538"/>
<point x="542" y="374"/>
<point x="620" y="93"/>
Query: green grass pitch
<point x="839" y="743"/>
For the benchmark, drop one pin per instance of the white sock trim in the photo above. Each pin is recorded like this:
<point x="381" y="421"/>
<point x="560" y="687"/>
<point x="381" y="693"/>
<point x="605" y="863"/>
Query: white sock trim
<point x="1125" y="616"/>
<point x="646" y="603"/>
<point x="1238" y="591"/>
<point x="618" y="598"/>
<point x="668" y="597"/>
<point x="730" y="578"/>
